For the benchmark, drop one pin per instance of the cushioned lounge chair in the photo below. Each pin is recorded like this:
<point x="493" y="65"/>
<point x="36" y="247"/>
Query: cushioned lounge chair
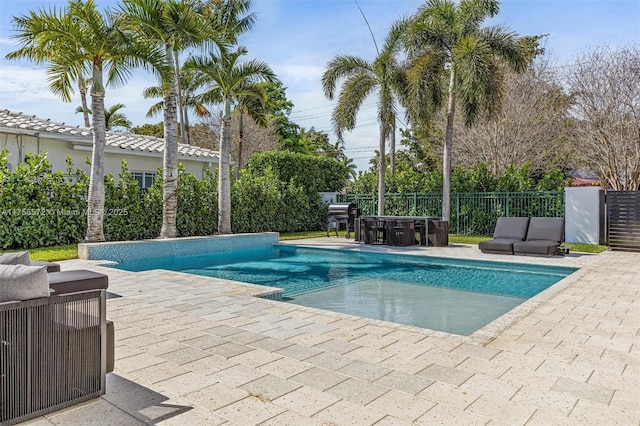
<point x="544" y="237"/>
<point x="509" y="230"/>
<point x="51" y="266"/>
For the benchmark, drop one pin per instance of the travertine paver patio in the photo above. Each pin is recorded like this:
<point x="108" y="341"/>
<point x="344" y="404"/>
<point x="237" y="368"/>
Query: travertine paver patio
<point x="199" y="351"/>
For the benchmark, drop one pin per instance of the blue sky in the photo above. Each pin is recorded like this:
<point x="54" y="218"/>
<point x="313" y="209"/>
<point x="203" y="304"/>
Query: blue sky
<point x="298" y="37"/>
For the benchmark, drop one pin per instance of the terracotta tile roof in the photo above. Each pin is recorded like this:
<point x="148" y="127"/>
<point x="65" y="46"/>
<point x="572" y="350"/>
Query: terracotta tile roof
<point x="124" y="141"/>
<point x="585" y="182"/>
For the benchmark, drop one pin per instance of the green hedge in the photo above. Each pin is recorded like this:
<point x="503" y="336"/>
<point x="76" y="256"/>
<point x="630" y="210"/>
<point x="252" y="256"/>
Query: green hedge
<point x="310" y="173"/>
<point x="41" y="208"/>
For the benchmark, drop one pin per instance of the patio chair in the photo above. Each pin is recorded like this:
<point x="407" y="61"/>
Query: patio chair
<point x="24" y="258"/>
<point x="544" y="237"/>
<point x="55" y="349"/>
<point x="375" y="231"/>
<point x="508" y="230"/>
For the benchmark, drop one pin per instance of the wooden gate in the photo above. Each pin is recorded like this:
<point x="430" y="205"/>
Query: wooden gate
<point x="623" y="220"/>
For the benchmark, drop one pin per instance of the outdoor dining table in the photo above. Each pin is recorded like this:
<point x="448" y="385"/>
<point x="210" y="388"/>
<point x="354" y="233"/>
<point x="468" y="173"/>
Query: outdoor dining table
<point x="376" y="229"/>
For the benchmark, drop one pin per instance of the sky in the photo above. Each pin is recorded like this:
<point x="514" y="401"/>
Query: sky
<point x="297" y="38"/>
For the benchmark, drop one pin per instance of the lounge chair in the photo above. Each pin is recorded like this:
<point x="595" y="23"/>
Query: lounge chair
<point x="509" y="230"/>
<point x="51" y="266"/>
<point x="24" y="258"/>
<point x="544" y="237"/>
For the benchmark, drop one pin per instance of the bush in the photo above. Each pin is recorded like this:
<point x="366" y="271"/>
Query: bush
<point x="474" y="179"/>
<point x="129" y="215"/>
<point x="302" y="177"/>
<point x="313" y="173"/>
<point x="197" y="204"/>
<point x="265" y="203"/>
<point x="41" y="207"/>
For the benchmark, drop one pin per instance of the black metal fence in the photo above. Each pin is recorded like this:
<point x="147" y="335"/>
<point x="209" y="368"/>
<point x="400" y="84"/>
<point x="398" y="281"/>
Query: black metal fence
<point x="472" y="213"/>
<point x="623" y="220"/>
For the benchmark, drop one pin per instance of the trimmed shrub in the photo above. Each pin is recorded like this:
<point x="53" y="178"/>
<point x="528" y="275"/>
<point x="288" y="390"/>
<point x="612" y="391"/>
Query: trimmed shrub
<point x="43" y="208"/>
<point x="40" y="207"/>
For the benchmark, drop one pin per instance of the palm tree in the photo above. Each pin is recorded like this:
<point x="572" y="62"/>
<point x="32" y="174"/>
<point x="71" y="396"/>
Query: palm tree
<point x="351" y="166"/>
<point x="112" y="117"/>
<point x="189" y="86"/>
<point x="362" y="78"/>
<point x="225" y="15"/>
<point x="255" y="107"/>
<point x="228" y="81"/>
<point x="74" y="42"/>
<point x="338" y="148"/>
<point x="447" y="35"/>
<point x="173" y="25"/>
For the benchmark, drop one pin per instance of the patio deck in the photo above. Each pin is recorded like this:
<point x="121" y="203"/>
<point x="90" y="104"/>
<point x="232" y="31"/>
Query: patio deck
<point x="200" y="351"/>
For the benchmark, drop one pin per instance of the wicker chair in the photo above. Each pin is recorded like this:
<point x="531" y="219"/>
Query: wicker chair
<point x="53" y="353"/>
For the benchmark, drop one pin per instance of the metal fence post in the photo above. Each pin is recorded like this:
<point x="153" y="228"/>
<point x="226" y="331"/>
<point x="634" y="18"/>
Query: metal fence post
<point x="457" y="213"/>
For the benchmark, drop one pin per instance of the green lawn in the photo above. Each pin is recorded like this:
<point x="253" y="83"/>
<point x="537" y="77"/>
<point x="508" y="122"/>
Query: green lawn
<point x="70" y="251"/>
<point x="51" y="254"/>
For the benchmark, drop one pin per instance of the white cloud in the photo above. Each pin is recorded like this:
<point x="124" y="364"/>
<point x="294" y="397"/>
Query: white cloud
<point x="26" y="89"/>
<point x="25" y="83"/>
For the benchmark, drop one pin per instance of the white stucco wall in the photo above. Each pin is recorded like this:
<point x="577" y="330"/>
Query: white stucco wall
<point x="57" y="151"/>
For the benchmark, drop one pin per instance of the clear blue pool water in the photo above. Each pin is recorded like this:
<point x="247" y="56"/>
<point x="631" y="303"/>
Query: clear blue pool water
<point x="453" y="295"/>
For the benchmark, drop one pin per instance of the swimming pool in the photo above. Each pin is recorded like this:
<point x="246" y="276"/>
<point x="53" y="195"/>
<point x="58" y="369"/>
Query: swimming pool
<point x="454" y="295"/>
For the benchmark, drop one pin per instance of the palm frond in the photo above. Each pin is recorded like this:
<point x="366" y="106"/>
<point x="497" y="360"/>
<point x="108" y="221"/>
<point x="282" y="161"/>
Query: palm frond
<point x="353" y="93"/>
<point x="506" y="45"/>
<point x="473" y="59"/>
<point x="339" y="67"/>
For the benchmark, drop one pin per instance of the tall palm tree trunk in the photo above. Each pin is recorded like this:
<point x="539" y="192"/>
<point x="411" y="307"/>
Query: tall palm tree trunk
<point x="392" y="148"/>
<point x="170" y="162"/>
<point x="224" y="181"/>
<point x="95" y="198"/>
<point x="181" y="107"/>
<point x="382" y="165"/>
<point x="448" y="141"/>
<point x="240" y="138"/>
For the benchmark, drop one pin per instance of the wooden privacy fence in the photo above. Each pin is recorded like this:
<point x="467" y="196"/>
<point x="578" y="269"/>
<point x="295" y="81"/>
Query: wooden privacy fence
<point x="472" y="213"/>
<point x="623" y="220"/>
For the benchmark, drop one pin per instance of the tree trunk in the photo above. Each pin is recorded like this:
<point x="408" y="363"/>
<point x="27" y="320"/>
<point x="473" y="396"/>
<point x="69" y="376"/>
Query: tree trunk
<point x="187" y="128"/>
<point x="240" y="137"/>
<point x="224" y="184"/>
<point x="95" y="198"/>
<point x="170" y="162"/>
<point x="181" y="107"/>
<point x="392" y="147"/>
<point x="82" y="86"/>
<point x="382" y="165"/>
<point x="448" y="142"/>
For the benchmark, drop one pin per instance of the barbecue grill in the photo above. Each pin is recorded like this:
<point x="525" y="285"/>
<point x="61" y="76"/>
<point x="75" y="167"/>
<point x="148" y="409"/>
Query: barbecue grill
<point x="342" y="213"/>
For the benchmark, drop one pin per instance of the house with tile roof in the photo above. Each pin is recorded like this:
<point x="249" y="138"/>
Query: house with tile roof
<point x="22" y="133"/>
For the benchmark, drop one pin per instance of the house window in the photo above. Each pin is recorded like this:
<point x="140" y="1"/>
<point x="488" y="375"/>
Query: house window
<point x="145" y="179"/>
